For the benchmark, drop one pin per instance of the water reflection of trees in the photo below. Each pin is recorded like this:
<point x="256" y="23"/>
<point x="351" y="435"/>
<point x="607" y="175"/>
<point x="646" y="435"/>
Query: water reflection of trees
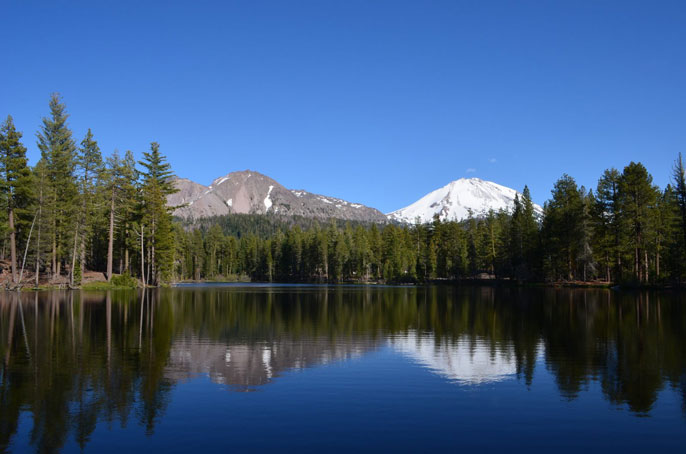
<point x="72" y="360"/>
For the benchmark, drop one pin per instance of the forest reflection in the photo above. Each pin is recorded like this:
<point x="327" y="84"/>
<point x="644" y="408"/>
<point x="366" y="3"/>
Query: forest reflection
<point x="71" y="360"/>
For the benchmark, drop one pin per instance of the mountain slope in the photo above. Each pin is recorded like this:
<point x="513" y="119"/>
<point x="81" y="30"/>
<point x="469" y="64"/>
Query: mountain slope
<point x="455" y="200"/>
<point x="194" y="200"/>
<point x="251" y="192"/>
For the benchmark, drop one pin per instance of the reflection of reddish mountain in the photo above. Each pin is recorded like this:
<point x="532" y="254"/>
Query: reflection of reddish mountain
<point x="244" y="366"/>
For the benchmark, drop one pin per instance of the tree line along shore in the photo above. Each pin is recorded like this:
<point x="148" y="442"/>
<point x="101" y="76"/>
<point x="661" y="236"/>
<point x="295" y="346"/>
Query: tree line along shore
<point x="77" y="216"/>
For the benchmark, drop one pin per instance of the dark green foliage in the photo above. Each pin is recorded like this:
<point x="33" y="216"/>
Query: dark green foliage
<point x="16" y="183"/>
<point x="15" y="187"/>
<point x="638" y="199"/>
<point x="262" y="225"/>
<point x="60" y="204"/>
<point x="114" y="218"/>
<point x="562" y="229"/>
<point x="90" y="172"/>
<point x="678" y="201"/>
<point x="124" y="280"/>
<point x="609" y="234"/>
<point x="155" y="187"/>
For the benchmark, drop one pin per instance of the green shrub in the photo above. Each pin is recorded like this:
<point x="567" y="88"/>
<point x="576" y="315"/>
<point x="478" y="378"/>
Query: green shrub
<point x="124" y="280"/>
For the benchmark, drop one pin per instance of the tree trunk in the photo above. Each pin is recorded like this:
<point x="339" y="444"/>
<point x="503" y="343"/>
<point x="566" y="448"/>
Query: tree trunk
<point x="40" y="214"/>
<point x="85" y="210"/>
<point x="110" y="242"/>
<point x="126" y="248"/>
<point x="73" y="256"/>
<point x="53" y="213"/>
<point x="143" y="259"/>
<point x="13" y="245"/>
<point x="637" y="267"/>
<point x="82" y="254"/>
<point x="147" y="272"/>
<point x="646" y="266"/>
<point x="53" y="268"/>
<point x="152" y="253"/>
<point x="570" y="272"/>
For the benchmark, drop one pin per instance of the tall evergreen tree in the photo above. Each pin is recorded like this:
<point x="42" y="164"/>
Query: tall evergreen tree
<point x="41" y="179"/>
<point x="530" y="234"/>
<point x="127" y="211"/>
<point x="89" y="168"/>
<point x="665" y="231"/>
<point x="679" y="179"/>
<point x="58" y="152"/>
<point x="586" y="259"/>
<point x="516" y="250"/>
<point x="608" y="223"/>
<point x="562" y="228"/>
<point x="119" y="193"/>
<point x="638" y="197"/>
<point x="156" y="185"/>
<point x="16" y="184"/>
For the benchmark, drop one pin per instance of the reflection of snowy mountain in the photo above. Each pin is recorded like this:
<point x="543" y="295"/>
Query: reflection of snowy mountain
<point x="245" y="365"/>
<point x="467" y="360"/>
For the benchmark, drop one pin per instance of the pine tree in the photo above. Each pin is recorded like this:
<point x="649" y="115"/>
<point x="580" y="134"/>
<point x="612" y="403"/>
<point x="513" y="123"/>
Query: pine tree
<point x="41" y="179"/>
<point x="58" y="152"/>
<point x="89" y="168"/>
<point x="156" y="185"/>
<point x="665" y="224"/>
<point x="608" y="223"/>
<point x="679" y="178"/>
<point x="127" y="211"/>
<point x="561" y="228"/>
<point x="16" y="184"/>
<point x="516" y="241"/>
<point x="638" y="197"/>
<point x="530" y="233"/>
<point x="119" y="193"/>
<point x="672" y="247"/>
<point x="586" y="259"/>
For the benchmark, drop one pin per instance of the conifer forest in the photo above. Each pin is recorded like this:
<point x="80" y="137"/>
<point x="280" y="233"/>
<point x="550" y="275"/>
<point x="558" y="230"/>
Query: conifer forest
<point x="77" y="211"/>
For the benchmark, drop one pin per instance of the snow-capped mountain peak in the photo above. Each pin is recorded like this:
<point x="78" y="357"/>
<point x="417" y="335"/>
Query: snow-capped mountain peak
<point x="457" y="199"/>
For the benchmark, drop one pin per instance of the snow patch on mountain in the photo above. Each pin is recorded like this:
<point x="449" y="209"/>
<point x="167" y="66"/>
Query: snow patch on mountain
<point x="458" y="200"/>
<point x="267" y="200"/>
<point x="219" y="181"/>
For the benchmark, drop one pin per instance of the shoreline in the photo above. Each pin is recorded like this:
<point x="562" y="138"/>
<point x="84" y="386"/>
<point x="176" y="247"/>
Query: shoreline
<point x="100" y="285"/>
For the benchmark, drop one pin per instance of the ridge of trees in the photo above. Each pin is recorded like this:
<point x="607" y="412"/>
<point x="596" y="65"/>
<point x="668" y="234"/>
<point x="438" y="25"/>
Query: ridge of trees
<point x="627" y="231"/>
<point x="75" y="211"/>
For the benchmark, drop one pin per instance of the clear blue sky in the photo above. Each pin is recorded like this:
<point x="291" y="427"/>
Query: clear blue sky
<point x="377" y="102"/>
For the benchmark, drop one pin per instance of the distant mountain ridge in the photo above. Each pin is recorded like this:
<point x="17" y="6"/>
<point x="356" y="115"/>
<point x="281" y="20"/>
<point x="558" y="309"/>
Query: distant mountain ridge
<point x="458" y="200"/>
<point x="250" y="192"/>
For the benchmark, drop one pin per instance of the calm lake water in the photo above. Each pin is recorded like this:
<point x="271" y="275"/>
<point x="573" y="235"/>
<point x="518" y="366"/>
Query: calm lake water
<point x="312" y="368"/>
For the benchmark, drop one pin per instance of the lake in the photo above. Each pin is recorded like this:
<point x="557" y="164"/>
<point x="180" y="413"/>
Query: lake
<point x="216" y="368"/>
